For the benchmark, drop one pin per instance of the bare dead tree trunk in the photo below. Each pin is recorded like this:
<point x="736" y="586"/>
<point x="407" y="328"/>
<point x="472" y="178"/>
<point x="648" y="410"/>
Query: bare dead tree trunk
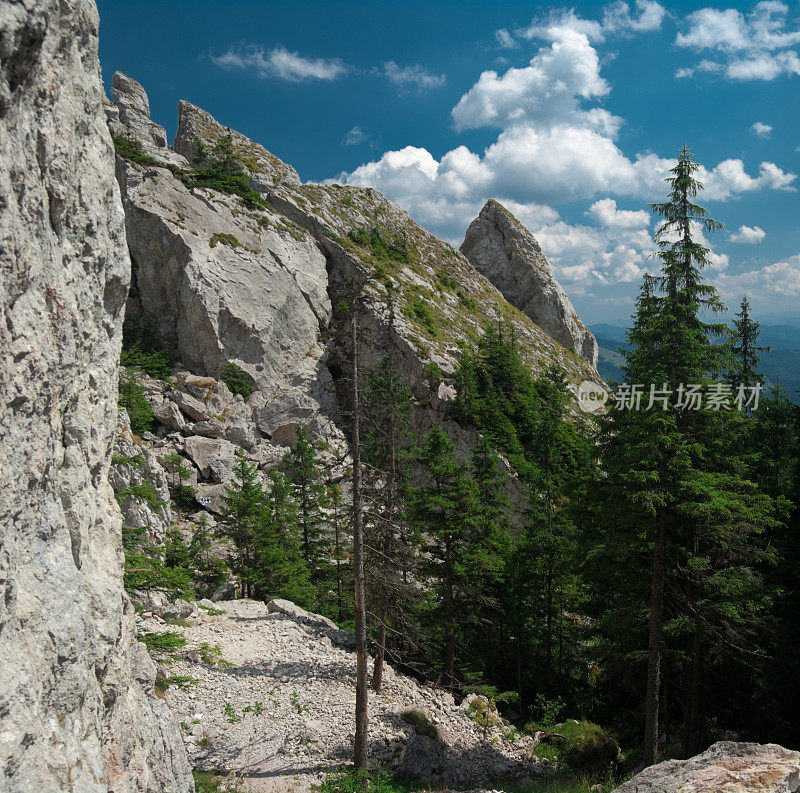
<point x="654" y="649"/>
<point x="360" y="742"/>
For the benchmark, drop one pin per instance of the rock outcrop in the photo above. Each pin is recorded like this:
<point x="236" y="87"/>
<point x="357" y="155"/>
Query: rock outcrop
<point x="501" y="248"/>
<point x="77" y="709"/>
<point x="725" y="767"/>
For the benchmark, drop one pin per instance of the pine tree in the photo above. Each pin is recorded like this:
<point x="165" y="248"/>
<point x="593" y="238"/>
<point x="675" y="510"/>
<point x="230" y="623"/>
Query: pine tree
<point x="304" y="472"/>
<point x="701" y="516"/>
<point x="280" y="569"/>
<point x="444" y="511"/>
<point x="244" y="507"/>
<point x="747" y="353"/>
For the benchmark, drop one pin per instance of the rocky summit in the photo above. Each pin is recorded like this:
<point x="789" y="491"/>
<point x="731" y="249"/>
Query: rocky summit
<point x="503" y="250"/>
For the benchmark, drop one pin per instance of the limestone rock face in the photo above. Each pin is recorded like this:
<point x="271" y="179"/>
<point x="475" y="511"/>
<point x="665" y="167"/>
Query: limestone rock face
<point x="77" y="711"/>
<point x="501" y="248"/>
<point x="220" y="283"/>
<point x="725" y="767"/>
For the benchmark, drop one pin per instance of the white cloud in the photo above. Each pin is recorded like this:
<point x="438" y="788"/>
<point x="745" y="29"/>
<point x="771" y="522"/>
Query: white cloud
<point x="749" y="234"/>
<point x="555" y="145"/>
<point x="761" y="130"/>
<point x="355" y="136"/>
<point x="558" y="77"/>
<point x="756" y="44"/>
<point x="617" y="17"/>
<point x="617" y="20"/>
<point x="412" y="76"/>
<point x="605" y="213"/>
<point x="281" y="63"/>
<point x="505" y="40"/>
<point x="778" y="280"/>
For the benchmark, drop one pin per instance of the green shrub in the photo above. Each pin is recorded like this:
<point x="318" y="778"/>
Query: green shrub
<point x="418" y="309"/>
<point x="163" y="642"/>
<point x="384" y="246"/>
<point x="145" y="491"/>
<point x="180" y="681"/>
<point x="155" y="362"/>
<point x="223" y="170"/>
<point x="447" y="280"/>
<point x="133" y="399"/>
<point x="237" y="380"/>
<point x="134" y="460"/>
<point x="211" y="654"/>
<point x="589" y="747"/>
<point x="352" y="781"/>
<point x="226" y="239"/>
<point x="420" y="722"/>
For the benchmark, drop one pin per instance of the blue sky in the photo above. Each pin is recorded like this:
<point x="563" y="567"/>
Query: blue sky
<point x="569" y="114"/>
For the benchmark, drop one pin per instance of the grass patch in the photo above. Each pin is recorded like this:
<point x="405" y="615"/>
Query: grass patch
<point x="163" y="642"/>
<point x="352" y="781"/>
<point x="179" y="681"/>
<point x="226" y="239"/>
<point x="420" y="722"/>
<point x="419" y="310"/>
<point x="387" y="251"/>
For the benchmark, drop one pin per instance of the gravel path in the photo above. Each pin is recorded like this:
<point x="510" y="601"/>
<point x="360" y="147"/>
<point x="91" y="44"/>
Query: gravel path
<point x="282" y="713"/>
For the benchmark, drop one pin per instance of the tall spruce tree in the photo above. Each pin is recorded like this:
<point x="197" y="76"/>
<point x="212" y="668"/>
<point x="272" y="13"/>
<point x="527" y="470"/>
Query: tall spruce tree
<point x="244" y="509"/>
<point x="304" y="472"/>
<point x="442" y="509"/>
<point x="700" y="516"/>
<point x="280" y="569"/>
<point x="746" y="351"/>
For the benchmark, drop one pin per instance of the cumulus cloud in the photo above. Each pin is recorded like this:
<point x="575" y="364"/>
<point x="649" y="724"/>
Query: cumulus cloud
<point x="556" y="144"/>
<point x="781" y="279"/>
<point x="761" y="130"/>
<point x="605" y="213"/>
<point x="754" y="46"/>
<point x="551" y="87"/>
<point x="412" y="76"/>
<point x="749" y="234"/>
<point x="617" y="20"/>
<point x="617" y="17"/>
<point x="281" y="63"/>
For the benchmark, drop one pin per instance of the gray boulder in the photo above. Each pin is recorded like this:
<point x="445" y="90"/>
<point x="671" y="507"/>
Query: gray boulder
<point x="501" y="248"/>
<point x="725" y="766"/>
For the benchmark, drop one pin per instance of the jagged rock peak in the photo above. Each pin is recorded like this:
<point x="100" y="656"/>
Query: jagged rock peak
<point x="503" y="250"/>
<point x="199" y="126"/>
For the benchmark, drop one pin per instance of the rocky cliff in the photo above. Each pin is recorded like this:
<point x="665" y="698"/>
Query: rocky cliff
<point x="77" y="711"/>
<point x="503" y="250"/>
<point x="257" y="283"/>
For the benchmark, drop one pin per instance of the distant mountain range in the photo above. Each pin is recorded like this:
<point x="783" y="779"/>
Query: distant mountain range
<point x="780" y="365"/>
